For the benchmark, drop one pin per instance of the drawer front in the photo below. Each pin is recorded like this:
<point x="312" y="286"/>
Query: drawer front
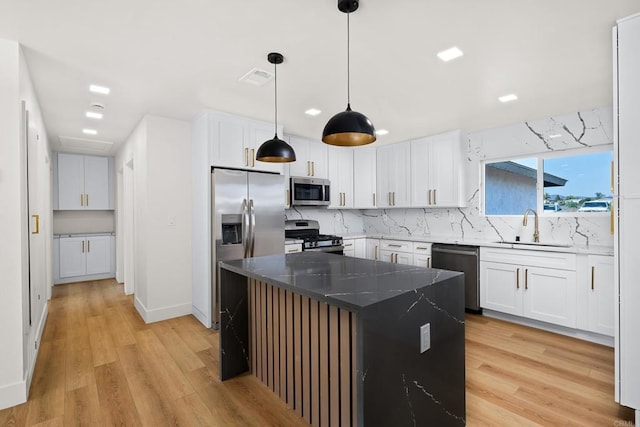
<point x="421" y="248"/>
<point x="543" y="259"/>
<point x="293" y="248"/>
<point x="396" y="246"/>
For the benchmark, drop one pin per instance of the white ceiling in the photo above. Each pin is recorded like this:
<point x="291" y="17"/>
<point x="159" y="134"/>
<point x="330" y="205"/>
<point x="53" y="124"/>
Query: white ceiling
<point x="175" y="58"/>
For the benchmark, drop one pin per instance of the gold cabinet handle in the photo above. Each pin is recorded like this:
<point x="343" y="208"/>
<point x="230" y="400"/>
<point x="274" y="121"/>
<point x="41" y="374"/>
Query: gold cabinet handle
<point x="612" y="215"/>
<point x="392" y="245"/>
<point x="286" y="197"/>
<point x="308" y="168"/>
<point x="526" y="279"/>
<point x="348" y="244"/>
<point x="612" y="189"/>
<point x="423" y="248"/>
<point x="253" y="157"/>
<point x="88" y="245"/>
<point x="517" y="278"/>
<point x="83" y="246"/>
<point x="374" y="199"/>
<point x="389" y="198"/>
<point x="394" y="258"/>
<point x="428" y="262"/>
<point x="429" y="202"/>
<point x="393" y="196"/>
<point x="86" y="200"/>
<point x="593" y="274"/>
<point x="37" y="227"/>
<point x="81" y="199"/>
<point x="435" y="201"/>
<point x="375" y="252"/>
<point x="246" y="157"/>
<point x="313" y="168"/>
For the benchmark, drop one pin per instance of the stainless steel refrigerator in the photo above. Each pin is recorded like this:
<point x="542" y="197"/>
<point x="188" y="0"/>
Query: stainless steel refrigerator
<point x="248" y="219"/>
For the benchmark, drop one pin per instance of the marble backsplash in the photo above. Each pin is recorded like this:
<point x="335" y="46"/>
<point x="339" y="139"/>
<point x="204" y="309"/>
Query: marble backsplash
<point x="589" y="128"/>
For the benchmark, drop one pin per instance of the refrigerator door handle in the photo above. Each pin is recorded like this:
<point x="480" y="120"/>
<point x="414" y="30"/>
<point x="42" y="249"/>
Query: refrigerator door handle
<point x="252" y="219"/>
<point x="245" y="228"/>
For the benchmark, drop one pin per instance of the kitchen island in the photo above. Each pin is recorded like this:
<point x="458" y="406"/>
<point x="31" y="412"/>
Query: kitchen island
<point x="339" y="338"/>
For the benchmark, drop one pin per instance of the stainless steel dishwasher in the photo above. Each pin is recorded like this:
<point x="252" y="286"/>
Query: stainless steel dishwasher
<point x="465" y="259"/>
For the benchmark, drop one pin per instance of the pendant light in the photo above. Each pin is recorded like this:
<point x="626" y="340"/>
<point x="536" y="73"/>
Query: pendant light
<point x="275" y="150"/>
<point x="348" y="128"/>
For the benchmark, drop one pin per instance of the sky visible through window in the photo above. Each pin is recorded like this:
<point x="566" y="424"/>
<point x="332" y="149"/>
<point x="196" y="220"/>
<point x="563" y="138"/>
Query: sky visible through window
<point x="586" y="174"/>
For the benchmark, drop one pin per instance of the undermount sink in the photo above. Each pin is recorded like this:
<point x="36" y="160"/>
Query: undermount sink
<point x="554" y="245"/>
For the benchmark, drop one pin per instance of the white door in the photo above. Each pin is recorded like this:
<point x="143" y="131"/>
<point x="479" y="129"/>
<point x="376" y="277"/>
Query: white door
<point x="372" y="249"/>
<point x="383" y="176"/>
<point x="500" y="287"/>
<point x="129" y="231"/>
<point x="302" y="165"/>
<point x="228" y="142"/>
<point x="601" y="298"/>
<point x="404" y="258"/>
<point x="421" y="260"/>
<point x="340" y="166"/>
<point x="400" y="181"/>
<point x="420" y="172"/>
<point x="98" y="250"/>
<point x="70" y="181"/>
<point x="550" y="295"/>
<point x="445" y="170"/>
<point x="96" y="183"/>
<point x="72" y="257"/>
<point x="364" y="178"/>
<point x="387" y="256"/>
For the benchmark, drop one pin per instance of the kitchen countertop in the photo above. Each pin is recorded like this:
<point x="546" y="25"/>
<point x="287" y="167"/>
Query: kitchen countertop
<point x="576" y="249"/>
<point x="346" y="282"/>
<point x="83" y="234"/>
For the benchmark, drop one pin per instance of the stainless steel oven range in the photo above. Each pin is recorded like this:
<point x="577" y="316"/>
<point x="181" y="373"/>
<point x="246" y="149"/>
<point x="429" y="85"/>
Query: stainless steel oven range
<point x="308" y="231"/>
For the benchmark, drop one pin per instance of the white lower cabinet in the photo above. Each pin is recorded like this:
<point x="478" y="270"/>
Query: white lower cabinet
<point x="533" y="284"/>
<point x="600" y="295"/>
<point x="81" y="257"/>
<point x="396" y="251"/>
<point x="422" y="254"/>
<point x="355" y="247"/>
<point x="292" y="248"/>
<point x="372" y="249"/>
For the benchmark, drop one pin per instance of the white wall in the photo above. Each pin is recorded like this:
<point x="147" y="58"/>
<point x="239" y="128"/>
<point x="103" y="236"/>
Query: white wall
<point x="18" y="339"/>
<point x="160" y="151"/>
<point x="69" y="222"/>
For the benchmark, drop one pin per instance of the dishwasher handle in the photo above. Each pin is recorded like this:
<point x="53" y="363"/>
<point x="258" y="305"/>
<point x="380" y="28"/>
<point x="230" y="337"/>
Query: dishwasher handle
<point x="454" y="251"/>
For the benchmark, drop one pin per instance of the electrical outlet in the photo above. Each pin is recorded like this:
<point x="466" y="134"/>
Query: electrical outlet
<point x="425" y="337"/>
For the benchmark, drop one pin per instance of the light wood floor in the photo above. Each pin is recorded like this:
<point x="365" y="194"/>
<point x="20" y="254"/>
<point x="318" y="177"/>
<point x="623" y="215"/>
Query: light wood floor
<point x="99" y="364"/>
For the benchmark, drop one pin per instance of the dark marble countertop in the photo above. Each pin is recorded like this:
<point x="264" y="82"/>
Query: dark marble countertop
<point x="346" y="282"/>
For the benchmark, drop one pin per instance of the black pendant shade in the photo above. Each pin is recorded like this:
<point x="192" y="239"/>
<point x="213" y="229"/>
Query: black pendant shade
<point x="275" y="150"/>
<point x="348" y="128"/>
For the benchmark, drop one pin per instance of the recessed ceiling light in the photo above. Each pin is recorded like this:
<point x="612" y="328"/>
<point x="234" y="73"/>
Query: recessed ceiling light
<point x="89" y="131"/>
<point x="99" y="89"/>
<point x="382" y="132"/>
<point x="449" y="54"/>
<point x="93" y="115"/>
<point x="313" y="112"/>
<point x="508" y="98"/>
<point x="557" y="135"/>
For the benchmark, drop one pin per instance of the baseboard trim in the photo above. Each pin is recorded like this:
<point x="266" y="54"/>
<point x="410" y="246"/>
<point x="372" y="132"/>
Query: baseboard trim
<point x="164" y="313"/>
<point x="13" y="394"/>
<point x="574" y="333"/>
<point x="200" y="316"/>
<point x="84" y="278"/>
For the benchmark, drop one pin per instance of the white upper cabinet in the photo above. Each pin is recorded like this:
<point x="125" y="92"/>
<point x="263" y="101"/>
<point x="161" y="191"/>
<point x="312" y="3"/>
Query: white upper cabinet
<point x="393" y="177"/>
<point x="234" y="141"/>
<point x="437" y="171"/>
<point x="83" y="182"/>
<point x="311" y="158"/>
<point x="364" y="178"/>
<point x="341" y="176"/>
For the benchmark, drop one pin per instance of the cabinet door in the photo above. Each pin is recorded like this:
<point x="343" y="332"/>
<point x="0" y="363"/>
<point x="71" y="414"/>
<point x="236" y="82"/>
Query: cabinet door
<point x="601" y="298"/>
<point x="400" y="178"/>
<point x="383" y="184"/>
<point x="500" y="287"/>
<point x="349" y="247"/>
<point x="421" y="260"/>
<point x="228" y="142"/>
<point x="98" y="251"/>
<point x="421" y="189"/>
<point x="360" y="248"/>
<point x="292" y="248"/>
<point x="404" y="258"/>
<point x="550" y="295"/>
<point x="96" y="183"/>
<point x="387" y="256"/>
<point x="302" y="165"/>
<point x="317" y="152"/>
<point x="72" y="257"/>
<point x="364" y="178"/>
<point x="341" y="176"/>
<point x="372" y="249"/>
<point x="70" y="181"/>
<point x="258" y="135"/>
<point x="446" y="169"/>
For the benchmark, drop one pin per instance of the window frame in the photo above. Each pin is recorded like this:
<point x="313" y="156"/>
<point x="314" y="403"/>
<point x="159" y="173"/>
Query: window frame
<point x="541" y="157"/>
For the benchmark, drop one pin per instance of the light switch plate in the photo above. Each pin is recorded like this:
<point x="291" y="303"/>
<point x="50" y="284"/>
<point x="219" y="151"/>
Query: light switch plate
<point x="425" y="337"/>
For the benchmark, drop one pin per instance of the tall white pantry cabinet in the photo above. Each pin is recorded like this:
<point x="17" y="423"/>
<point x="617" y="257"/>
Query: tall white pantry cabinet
<point x="626" y="48"/>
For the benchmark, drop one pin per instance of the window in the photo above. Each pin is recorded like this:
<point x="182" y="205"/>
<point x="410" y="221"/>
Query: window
<point x="552" y="184"/>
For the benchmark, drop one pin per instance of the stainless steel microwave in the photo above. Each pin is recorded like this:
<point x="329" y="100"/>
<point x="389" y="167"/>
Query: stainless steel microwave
<point x="310" y="191"/>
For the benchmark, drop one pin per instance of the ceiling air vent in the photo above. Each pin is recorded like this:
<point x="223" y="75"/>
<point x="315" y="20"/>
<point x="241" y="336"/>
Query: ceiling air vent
<point x="257" y="77"/>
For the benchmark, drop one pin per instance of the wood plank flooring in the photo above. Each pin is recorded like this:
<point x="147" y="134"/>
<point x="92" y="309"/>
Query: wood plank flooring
<point x="100" y="364"/>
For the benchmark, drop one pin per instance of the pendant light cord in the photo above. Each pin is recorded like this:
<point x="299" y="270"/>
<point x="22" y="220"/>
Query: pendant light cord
<point x="275" y="78"/>
<point x="348" y="64"/>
